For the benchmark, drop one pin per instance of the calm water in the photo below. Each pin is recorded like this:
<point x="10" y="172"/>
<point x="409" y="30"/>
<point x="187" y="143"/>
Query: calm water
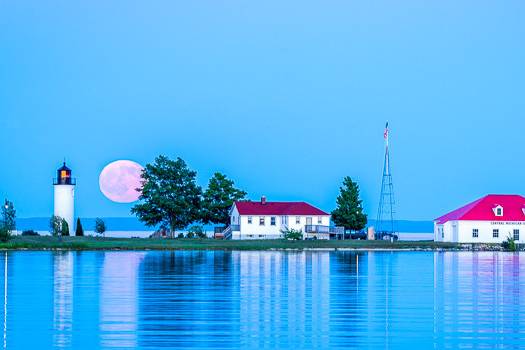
<point x="150" y="300"/>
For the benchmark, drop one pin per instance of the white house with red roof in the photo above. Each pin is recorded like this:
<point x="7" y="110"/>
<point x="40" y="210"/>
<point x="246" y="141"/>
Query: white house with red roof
<point x="491" y="219"/>
<point x="267" y="220"/>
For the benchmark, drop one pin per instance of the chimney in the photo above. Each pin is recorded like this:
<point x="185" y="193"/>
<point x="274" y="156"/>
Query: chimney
<point x="263" y="200"/>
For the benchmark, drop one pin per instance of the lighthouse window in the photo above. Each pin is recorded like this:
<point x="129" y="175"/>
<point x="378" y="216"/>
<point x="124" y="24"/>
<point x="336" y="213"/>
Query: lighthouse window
<point x="475" y="233"/>
<point x="495" y="233"/>
<point x="516" y="235"/>
<point x="63" y="174"/>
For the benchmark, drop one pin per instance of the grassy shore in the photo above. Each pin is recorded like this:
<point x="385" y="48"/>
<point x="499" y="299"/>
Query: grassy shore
<point x="97" y="243"/>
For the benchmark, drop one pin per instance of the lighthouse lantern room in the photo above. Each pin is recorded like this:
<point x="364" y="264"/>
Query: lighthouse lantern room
<point x="64" y="186"/>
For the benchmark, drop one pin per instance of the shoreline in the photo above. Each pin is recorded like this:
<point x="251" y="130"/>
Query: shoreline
<point x="48" y="243"/>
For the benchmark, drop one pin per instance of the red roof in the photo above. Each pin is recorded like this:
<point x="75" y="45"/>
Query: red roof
<point x="277" y="208"/>
<point x="483" y="209"/>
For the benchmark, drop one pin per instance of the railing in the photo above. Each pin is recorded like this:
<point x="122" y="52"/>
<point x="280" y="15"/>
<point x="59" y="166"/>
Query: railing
<point x="324" y="229"/>
<point x="227" y="233"/>
<point x="65" y="181"/>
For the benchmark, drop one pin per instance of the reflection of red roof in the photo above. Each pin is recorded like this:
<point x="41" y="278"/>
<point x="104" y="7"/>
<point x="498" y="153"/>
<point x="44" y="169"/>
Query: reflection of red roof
<point x="277" y="208"/>
<point x="483" y="209"/>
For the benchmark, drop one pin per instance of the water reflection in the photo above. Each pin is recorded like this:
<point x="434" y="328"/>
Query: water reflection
<point x="228" y="300"/>
<point x="283" y="294"/>
<point x="62" y="298"/>
<point x="119" y="299"/>
<point x="479" y="297"/>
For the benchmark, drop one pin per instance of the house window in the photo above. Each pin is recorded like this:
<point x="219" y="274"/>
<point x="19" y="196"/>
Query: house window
<point x="272" y="221"/>
<point x="319" y="220"/>
<point x="261" y="220"/>
<point x="475" y="233"/>
<point x="250" y="219"/>
<point x="233" y="219"/>
<point x="516" y="235"/>
<point x="297" y="220"/>
<point x="495" y="233"/>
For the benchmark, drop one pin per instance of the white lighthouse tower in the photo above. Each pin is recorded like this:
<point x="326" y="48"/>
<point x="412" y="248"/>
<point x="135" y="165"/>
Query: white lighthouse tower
<point x="64" y="186"/>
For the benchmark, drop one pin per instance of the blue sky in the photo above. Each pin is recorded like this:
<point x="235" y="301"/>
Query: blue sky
<point x="285" y="97"/>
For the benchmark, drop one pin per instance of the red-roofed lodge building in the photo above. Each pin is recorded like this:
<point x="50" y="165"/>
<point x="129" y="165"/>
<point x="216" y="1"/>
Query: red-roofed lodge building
<point x="491" y="219"/>
<point x="268" y="220"/>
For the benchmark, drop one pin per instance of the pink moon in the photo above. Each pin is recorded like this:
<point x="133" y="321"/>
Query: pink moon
<point x="119" y="180"/>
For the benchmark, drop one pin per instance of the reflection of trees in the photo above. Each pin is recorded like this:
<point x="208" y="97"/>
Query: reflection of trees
<point x="249" y="299"/>
<point x="349" y="283"/>
<point x="186" y="299"/>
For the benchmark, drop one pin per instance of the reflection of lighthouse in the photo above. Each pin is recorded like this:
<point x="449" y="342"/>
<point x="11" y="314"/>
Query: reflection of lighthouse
<point x="65" y="195"/>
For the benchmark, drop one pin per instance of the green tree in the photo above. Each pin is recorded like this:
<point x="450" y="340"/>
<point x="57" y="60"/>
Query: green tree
<point x="169" y="195"/>
<point x="349" y="212"/>
<point x="55" y="225"/>
<point x="218" y="199"/>
<point x="79" y="231"/>
<point x="64" y="228"/>
<point x="100" y="226"/>
<point x="8" y="223"/>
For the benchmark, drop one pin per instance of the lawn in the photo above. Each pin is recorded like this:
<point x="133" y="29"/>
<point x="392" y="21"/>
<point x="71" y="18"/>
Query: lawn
<point x="99" y="243"/>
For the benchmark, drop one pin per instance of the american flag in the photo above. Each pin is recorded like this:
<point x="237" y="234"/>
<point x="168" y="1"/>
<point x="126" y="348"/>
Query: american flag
<point x="386" y="131"/>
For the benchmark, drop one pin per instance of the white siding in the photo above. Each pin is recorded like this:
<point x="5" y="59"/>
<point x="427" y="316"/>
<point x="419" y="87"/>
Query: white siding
<point x="268" y="231"/>
<point x="461" y="231"/>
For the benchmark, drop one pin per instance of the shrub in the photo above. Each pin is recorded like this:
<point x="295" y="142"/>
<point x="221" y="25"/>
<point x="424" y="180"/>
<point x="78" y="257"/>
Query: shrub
<point x="55" y="224"/>
<point x="181" y="235"/>
<point x="190" y="234"/>
<point x="30" y="233"/>
<point x="196" y="231"/>
<point x="292" y="234"/>
<point x="509" y="245"/>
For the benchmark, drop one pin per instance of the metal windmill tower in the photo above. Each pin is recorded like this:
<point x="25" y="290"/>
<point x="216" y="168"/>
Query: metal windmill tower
<point x="385" y="211"/>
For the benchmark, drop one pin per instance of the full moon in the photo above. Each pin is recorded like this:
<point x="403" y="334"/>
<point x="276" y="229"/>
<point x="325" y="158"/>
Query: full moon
<point x="119" y="180"/>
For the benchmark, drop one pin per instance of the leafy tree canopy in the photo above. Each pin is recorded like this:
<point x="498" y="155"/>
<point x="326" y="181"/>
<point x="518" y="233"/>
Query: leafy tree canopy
<point x="169" y="195"/>
<point x="218" y="199"/>
<point x="349" y="211"/>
